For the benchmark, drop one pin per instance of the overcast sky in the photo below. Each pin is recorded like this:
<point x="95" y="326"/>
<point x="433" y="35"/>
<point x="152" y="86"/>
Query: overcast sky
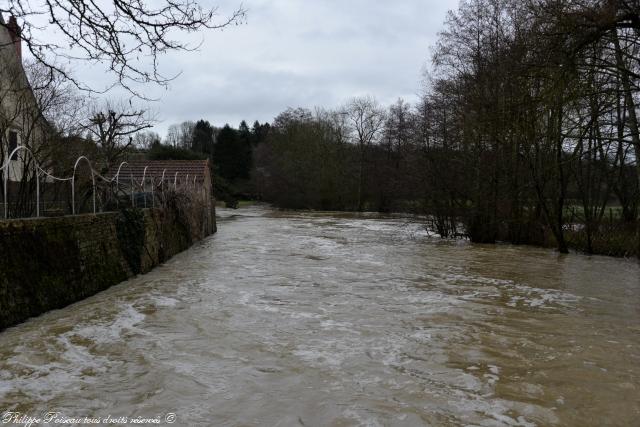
<point x="301" y="53"/>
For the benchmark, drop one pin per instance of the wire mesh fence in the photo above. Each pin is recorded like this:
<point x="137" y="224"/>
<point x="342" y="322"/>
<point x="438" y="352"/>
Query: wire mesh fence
<point x="29" y="190"/>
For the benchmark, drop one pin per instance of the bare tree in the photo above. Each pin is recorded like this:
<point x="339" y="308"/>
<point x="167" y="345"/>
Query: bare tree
<point x="127" y="37"/>
<point x="112" y="126"/>
<point x="59" y="102"/>
<point x="186" y="133"/>
<point x="180" y="135"/>
<point x="367" y="119"/>
<point x="145" y="139"/>
<point x="173" y="136"/>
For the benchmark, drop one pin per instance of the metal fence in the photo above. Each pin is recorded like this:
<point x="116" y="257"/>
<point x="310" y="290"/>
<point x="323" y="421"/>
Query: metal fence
<point x="36" y="192"/>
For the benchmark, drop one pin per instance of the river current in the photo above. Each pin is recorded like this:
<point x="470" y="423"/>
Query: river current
<point x="324" y="319"/>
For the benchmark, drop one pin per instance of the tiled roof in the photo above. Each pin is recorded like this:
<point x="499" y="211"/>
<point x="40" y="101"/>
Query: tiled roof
<point x="155" y="168"/>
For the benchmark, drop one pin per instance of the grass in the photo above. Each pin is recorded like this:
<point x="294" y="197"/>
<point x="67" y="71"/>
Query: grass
<point x="241" y="203"/>
<point x="246" y="203"/>
<point x="576" y="212"/>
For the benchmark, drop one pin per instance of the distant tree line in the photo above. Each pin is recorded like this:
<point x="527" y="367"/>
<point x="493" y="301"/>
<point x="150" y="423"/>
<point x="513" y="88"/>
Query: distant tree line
<point x="526" y="131"/>
<point x="358" y="157"/>
<point x="229" y="149"/>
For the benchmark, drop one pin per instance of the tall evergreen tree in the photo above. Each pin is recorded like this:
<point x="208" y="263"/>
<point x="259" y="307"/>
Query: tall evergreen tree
<point x="202" y="140"/>
<point x="259" y="132"/>
<point x="246" y="149"/>
<point x="228" y="154"/>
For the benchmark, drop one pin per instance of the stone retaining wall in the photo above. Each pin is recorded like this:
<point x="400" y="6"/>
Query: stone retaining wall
<point x="48" y="263"/>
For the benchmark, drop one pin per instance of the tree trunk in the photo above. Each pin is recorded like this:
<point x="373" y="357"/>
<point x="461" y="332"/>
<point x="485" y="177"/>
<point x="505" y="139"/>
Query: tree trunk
<point x="631" y="107"/>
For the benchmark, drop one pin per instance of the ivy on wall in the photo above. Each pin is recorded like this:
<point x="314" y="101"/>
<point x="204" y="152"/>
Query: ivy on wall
<point x="130" y="229"/>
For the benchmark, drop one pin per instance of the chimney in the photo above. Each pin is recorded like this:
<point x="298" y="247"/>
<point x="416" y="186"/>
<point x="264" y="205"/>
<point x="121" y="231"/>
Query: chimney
<point x="14" y="32"/>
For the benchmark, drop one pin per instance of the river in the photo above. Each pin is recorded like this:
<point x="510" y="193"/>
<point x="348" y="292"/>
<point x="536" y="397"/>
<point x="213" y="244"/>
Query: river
<point x="320" y="319"/>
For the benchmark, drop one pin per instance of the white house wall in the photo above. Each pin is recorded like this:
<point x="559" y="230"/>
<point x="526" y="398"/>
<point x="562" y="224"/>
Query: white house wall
<point x="18" y="107"/>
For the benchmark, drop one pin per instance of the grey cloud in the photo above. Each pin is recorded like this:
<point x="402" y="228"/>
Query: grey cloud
<point x="301" y="53"/>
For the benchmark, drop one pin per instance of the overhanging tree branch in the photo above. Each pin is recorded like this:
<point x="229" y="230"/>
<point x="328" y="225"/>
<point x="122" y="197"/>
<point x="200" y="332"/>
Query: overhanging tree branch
<point x="127" y="37"/>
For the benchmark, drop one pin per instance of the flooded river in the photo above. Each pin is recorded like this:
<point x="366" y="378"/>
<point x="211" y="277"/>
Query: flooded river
<point x="285" y="319"/>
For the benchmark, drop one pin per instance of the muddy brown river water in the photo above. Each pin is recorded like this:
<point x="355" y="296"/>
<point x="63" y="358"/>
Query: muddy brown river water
<point x="319" y="319"/>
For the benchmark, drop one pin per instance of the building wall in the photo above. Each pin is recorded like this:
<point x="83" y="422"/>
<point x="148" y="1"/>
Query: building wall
<point x="19" y="110"/>
<point x="48" y="263"/>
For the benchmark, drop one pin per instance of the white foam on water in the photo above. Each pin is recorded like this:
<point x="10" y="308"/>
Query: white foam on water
<point x="318" y="358"/>
<point x="360" y="418"/>
<point x="67" y="361"/>
<point x="163" y="301"/>
<point x="479" y="288"/>
<point x="491" y="379"/>
<point x="541" y="298"/>
<point x="303" y="315"/>
<point x="422" y="336"/>
<point x="337" y="326"/>
<point x="124" y="322"/>
<point x="515" y="422"/>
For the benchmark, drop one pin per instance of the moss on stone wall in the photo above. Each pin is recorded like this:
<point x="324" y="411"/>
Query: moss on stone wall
<point x="130" y="229"/>
<point x="48" y="263"/>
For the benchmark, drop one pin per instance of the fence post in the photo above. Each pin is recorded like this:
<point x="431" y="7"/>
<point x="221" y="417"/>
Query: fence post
<point x="6" y="203"/>
<point x="73" y="179"/>
<point x="162" y="185"/>
<point x="37" y="193"/>
<point x="144" y="185"/>
<point x="73" y="196"/>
